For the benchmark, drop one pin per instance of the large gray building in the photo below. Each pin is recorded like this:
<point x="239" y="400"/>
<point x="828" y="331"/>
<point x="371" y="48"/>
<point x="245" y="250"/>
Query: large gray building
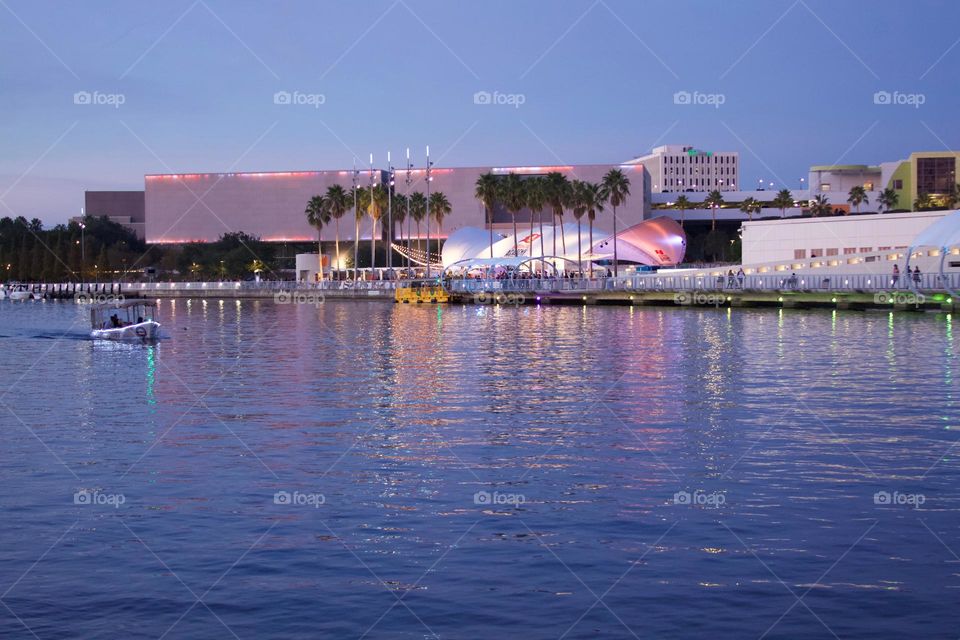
<point x="200" y="207"/>
<point x="124" y="207"/>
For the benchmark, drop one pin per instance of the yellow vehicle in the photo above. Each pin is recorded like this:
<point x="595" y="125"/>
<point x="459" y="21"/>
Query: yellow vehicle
<point x="418" y="292"/>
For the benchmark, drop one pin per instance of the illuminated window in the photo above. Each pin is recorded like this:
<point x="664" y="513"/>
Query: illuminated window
<point x="868" y="186"/>
<point x="825" y="186"/>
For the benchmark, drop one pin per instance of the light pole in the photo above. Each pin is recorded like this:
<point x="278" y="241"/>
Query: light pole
<point x="428" y="210"/>
<point x="83" y="247"/>
<point x="354" y="184"/>
<point x="390" y="214"/>
<point x="373" y="232"/>
<point x="409" y="222"/>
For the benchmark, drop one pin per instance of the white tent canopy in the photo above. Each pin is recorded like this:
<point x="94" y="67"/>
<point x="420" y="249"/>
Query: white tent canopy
<point x="944" y="233"/>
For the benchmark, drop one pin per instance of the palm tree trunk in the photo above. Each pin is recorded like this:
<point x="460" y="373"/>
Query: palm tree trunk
<point x="540" y="225"/>
<point x="563" y="238"/>
<point x="490" y="223"/>
<point x="409" y="239"/>
<point x="682" y="211"/>
<point x="320" y="250"/>
<point x="337" y="246"/>
<point x="419" y="244"/>
<point x="516" y="251"/>
<point x="579" y="250"/>
<point x="616" y="263"/>
<point x="373" y="246"/>
<point x="591" y="247"/>
<point x="530" y="237"/>
<point x="356" y="249"/>
<point x="713" y="218"/>
<point x="553" y="225"/>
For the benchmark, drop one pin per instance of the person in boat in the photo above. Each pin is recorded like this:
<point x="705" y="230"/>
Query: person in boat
<point x="115" y="322"/>
<point x="139" y="319"/>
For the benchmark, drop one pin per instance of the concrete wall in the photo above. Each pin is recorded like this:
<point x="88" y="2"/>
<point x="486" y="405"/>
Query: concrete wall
<point x="777" y="240"/>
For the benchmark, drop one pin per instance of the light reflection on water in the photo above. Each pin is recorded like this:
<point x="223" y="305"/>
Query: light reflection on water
<point x="597" y="417"/>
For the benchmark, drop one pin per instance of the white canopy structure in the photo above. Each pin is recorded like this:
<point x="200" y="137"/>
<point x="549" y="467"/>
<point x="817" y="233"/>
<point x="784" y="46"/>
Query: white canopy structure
<point x="660" y="241"/>
<point x="943" y="234"/>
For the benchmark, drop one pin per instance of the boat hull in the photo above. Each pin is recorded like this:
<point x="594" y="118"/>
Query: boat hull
<point x="141" y="331"/>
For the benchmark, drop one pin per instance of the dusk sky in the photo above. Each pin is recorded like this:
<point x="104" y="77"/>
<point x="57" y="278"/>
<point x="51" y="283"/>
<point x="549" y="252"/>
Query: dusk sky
<point x="786" y="83"/>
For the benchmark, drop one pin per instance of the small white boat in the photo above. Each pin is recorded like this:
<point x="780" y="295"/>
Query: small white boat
<point x="125" y="320"/>
<point x="18" y="291"/>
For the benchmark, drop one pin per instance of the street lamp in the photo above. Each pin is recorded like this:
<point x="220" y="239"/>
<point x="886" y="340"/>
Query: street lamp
<point x="390" y="213"/>
<point x="429" y="164"/>
<point x="408" y="182"/>
<point x="83" y="247"/>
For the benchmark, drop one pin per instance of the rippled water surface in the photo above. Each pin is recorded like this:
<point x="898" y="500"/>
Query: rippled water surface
<point x="363" y="469"/>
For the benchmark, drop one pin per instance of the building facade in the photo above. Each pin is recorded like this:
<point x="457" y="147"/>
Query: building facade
<point x="123" y="207"/>
<point x="678" y="168"/>
<point x="201" y="207"/>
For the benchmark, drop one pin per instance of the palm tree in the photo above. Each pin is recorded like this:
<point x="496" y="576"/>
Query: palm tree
<point x="923" y="202"/>
<point x="439" y="208"/>
<point x="714" y="200"/>
<point x="820" y="206"/>
<point x="616" y="188"/>
<point x="857" y="196"/>
<point x="683" y="204"/>
<point x="486" y="190"/>
<point x="952" y="197"/>
<point x="376" y="204"/>
<point x="418" y="210"/>
<point x="749" y="206"/>
<point x="577" y="203"/>
<point x="318" y="214"/>
<point x="399" y="212"/>
<point x="360" y="197"/>
<point x="513" y="197"/>
<point x="782" y="200"/>
<point x="557" y="194"/>
<point x="535" y="191"/>
<point x="888" y="198"/>
<point x="338" y="202"/>
<point x="593" y="201"/>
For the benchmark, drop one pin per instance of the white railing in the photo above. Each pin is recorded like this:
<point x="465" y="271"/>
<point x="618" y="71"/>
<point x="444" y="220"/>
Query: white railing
<point x="825" y="283"/>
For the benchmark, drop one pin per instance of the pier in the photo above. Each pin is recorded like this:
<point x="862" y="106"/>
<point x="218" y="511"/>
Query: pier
<point x="932" y="292"/>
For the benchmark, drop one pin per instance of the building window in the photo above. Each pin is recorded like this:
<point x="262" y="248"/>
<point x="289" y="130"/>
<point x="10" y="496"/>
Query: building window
<point x="898" y="185"/>
<point x="935" y="175"/>
<point x="849" y="250"/>
<point x="816" y="253"/>
<point x="832" y="252"/>
<point x="868" y="186"/>
<point x="825" y="186"/>
<point x="866" y="249"/>
<point x="799" y="254"/>
<point x="883" y="248"/>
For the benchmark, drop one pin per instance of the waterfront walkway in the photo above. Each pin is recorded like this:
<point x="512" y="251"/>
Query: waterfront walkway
<point x="931" y="291"/>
